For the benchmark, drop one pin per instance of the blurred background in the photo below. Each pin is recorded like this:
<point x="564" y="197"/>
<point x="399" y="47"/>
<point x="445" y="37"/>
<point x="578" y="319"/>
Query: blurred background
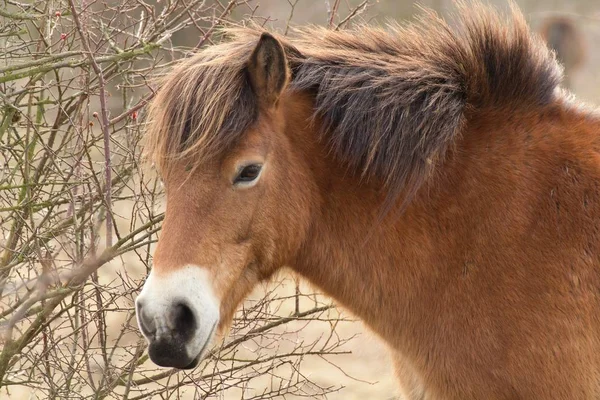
<point x="73" y="192"/>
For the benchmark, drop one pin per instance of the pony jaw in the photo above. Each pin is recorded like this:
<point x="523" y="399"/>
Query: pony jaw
<point x="175" y="340"/>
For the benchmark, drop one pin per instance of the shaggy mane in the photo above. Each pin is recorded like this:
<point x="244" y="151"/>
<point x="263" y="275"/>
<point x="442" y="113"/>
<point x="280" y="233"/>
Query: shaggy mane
<point x="391" y="100"/>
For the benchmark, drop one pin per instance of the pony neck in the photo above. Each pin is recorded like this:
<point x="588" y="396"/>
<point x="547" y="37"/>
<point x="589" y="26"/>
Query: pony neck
<point x="375" y="267"/>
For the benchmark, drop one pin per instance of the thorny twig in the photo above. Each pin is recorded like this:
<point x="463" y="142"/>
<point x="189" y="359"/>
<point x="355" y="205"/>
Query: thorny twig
<point x="104" y="124"/>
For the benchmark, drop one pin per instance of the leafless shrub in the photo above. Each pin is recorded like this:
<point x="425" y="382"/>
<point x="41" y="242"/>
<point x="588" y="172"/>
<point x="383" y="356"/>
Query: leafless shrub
<point x="79" y="215"/>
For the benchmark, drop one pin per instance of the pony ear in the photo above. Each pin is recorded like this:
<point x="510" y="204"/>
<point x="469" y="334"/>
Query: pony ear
<point x="268" y="70"/>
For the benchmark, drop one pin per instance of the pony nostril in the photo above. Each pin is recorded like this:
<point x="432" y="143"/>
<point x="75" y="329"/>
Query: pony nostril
<point x="146" y="323"/>
<point x="182" y="320"/>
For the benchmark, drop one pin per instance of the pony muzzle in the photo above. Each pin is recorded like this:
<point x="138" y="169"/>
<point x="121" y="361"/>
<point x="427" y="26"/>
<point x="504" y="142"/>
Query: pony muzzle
<point x="177" y="312"/>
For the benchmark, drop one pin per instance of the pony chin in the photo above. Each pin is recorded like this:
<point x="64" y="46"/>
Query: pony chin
<point x="243" y="286"/>
<point x="224" y="325"/>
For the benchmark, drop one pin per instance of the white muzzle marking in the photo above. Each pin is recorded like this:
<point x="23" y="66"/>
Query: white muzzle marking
<point x="189" y="285"/>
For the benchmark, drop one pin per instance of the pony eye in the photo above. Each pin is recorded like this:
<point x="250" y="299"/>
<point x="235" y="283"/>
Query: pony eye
<point x="248" y="174"/>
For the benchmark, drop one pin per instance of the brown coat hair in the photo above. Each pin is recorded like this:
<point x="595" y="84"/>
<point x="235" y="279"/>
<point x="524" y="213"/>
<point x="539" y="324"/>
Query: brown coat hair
<point x="484" y="274"/>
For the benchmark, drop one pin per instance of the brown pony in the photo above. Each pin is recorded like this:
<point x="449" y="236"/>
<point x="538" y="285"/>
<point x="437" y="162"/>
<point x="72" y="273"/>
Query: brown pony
<point x="434" y="180"/>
